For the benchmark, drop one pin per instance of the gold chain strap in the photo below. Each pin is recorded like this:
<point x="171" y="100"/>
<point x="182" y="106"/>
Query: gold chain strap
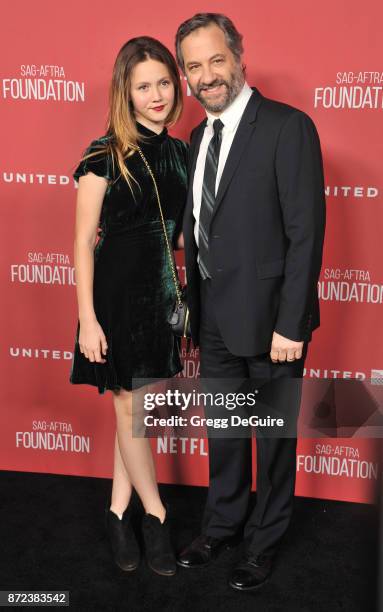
<point x="175" y="279"/>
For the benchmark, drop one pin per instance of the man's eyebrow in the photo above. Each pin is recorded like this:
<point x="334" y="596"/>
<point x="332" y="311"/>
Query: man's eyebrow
<point x="213" y="57"/>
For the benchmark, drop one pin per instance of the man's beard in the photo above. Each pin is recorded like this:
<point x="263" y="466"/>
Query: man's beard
<point x="233" y="87"/>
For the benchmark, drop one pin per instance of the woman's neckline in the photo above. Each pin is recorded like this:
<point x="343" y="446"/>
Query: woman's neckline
<point x="153" y="136"/>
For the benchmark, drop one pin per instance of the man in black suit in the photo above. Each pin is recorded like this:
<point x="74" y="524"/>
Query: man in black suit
<point x="253" y="236"/>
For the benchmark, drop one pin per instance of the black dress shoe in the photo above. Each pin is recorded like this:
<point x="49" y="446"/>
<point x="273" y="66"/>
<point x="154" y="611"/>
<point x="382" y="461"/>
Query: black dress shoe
<point x="202" y="550"/>
<point x="158" y="548"/>
<point x="125" y="549"/>
<point x="251" y="572"/>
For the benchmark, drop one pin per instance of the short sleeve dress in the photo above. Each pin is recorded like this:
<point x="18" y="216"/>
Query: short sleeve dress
<point x="133" y="286"/>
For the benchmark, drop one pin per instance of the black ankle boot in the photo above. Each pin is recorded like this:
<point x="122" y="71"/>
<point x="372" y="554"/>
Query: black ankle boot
<point x="125" y="549"/>
<point x="159" y="551"/>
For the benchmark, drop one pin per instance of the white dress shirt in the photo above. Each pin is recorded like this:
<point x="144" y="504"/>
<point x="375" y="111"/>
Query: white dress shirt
<point x="230" y="119"/>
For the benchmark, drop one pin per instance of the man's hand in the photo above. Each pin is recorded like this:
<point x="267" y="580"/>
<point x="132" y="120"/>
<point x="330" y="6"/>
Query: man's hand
<point x="283" y="349"/>
<point x="180" y="241"/>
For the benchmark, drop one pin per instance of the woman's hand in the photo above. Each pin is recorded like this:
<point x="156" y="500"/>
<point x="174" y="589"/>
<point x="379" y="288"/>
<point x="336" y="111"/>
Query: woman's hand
<point x="92" y="341"/>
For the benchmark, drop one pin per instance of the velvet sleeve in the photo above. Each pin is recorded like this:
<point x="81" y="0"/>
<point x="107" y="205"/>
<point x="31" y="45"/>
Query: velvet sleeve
<point x="99" y="163"/>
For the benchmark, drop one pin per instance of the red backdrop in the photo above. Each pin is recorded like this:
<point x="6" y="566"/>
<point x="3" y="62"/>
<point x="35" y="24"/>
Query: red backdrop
<point x="56" y="66"/>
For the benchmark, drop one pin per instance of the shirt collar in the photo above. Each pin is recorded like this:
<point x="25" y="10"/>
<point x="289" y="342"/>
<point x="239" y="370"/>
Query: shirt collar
<point x="233" y="113"/>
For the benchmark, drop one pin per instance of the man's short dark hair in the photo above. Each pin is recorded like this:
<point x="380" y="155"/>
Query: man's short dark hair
<point x="202" y="20"/>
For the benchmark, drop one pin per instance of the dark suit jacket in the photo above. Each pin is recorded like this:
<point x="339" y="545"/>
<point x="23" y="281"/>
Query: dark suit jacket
<point x="266" y="233"/>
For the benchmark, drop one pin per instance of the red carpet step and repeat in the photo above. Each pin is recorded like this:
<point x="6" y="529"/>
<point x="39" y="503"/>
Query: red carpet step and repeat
<point x="57" y="59"/>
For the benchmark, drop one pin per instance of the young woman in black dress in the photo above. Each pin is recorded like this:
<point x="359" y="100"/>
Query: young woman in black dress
<point x="125" y="287"/>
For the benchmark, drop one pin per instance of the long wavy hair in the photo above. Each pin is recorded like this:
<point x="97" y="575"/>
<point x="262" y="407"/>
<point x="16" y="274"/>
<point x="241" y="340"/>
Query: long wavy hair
<point x="121" y="130"/>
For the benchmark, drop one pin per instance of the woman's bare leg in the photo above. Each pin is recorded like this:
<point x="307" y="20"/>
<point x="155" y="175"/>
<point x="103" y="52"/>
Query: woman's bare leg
<point x="122" y="487"/>
<point x="136" y="455"/>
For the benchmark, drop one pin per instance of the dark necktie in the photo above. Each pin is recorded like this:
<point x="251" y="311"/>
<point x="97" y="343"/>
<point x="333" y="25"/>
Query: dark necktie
<point x="208" y="198"/>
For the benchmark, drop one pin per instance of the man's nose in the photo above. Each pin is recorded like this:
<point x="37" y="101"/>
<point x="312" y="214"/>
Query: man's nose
<point x="207" y="76"/>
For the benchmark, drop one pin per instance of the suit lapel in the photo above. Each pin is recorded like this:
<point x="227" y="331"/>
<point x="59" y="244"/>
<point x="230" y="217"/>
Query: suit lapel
<point x="194" y="149"/>
<point x="242" y="136"/>
<point x="195" y="144"/>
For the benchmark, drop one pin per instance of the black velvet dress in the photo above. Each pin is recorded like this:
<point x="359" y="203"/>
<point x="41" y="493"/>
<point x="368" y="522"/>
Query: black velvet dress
<point x="133" y="287"/>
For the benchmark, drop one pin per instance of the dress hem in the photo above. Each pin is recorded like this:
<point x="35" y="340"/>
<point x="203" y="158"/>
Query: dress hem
<point x="117" y="386"/>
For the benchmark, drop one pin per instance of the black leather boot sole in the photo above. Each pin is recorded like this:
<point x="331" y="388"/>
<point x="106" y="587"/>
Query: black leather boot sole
<point x="248" y="588"/>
